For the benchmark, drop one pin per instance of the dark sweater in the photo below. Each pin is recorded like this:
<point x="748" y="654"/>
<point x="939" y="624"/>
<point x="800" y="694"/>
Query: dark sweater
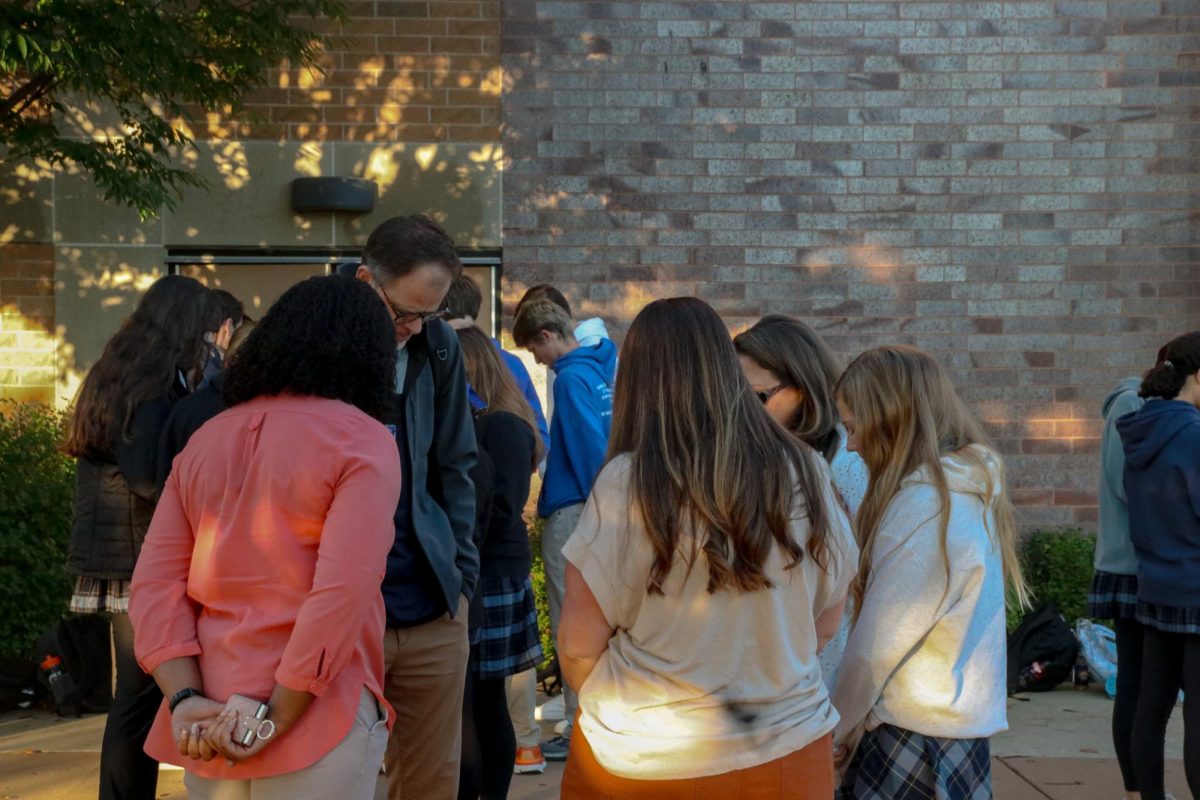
<point x="186" y="418"/>
<point x="115" y="495"/>
<point x="1162" y="484"/>
<point x="505" y="548"/>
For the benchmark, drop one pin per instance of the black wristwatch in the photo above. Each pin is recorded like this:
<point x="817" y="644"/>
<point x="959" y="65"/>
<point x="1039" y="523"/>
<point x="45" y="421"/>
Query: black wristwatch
<point x="181" y="695"/>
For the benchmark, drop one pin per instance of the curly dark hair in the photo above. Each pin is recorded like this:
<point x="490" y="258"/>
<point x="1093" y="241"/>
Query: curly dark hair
<point x="1177" y="359"/>
<point x="325" y="337"/>
<point x="165" y="335"/>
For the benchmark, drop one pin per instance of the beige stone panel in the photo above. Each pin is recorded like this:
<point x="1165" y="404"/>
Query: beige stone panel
<point x="248" y="200"/>
<point x="456" y="184"/>
<point x="26" y="202"/>
<point x="97" y="288"/>
<point x="83" y="216"/>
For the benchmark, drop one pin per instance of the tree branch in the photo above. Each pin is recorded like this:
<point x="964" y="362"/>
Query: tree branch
<point x="29" y="93"/>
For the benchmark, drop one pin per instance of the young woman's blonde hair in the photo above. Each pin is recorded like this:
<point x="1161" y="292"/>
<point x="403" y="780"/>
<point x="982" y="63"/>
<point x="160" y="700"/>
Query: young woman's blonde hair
<point x="908" y="416"/>
<point x="705" y="455"/>
<point x="494" y="384"/>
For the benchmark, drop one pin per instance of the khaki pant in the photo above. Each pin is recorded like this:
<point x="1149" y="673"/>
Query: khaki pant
<point x="348" y="771"/>
<point x="522" y="702"/>
<point x="425" y="668"/>
<point x="558" y="528"/>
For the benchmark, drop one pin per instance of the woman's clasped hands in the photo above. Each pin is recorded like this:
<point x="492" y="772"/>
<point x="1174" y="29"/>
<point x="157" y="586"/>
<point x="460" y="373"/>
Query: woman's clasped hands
<point x="236" y="731"/>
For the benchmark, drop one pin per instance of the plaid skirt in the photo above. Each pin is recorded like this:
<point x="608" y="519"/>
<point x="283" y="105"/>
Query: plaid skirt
<point x="1113" y="596"/>
<point x="98" y="595"/>
<point x="1171" y="619"/>
<point x="508" y="640"/>
<point x="894" y="764"/>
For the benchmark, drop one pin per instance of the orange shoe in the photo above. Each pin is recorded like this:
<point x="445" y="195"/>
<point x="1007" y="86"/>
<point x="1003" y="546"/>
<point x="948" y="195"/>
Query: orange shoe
<point x="529" y="760"/>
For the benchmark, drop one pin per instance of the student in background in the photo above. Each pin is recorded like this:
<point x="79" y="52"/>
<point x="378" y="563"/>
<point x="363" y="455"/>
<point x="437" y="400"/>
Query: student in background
<point x="1162" y="484"/>
<point x="1114" y="586"/>
<point x="583" y="396"/>
<point x="938" y="542"/>
<point x="196" y="409"/>
<point x="588" y="333"/>
<point x="507" y="641"/>
<point x="710" y="562"/>
<point x="153" y="361"/>
<point x="465" y="301"/>
<point x="232" y="317"/>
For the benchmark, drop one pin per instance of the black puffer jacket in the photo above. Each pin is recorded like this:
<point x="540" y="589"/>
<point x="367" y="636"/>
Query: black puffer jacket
<point x="114" y="498"/>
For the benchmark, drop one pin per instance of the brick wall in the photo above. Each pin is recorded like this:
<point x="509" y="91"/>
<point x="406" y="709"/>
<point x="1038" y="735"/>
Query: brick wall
<point x="1011" y="185"/>
<point x="27" y="347"/>
<point x="395" y="71"/>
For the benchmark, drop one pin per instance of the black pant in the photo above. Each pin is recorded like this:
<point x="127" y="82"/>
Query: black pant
<point x="1169" y="660"/>
<point x="126" y="772"/>
<point x="489" y="745"/>
<point x="1129" y="684"/>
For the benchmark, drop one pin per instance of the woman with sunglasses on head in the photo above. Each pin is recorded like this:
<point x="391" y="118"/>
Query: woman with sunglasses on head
<point x="793" y="372"/>
<point x="153" y="361"/>
<point x="710" y="562"/>
<point x="921" y="686"/>
<point x="1162" y="485"/>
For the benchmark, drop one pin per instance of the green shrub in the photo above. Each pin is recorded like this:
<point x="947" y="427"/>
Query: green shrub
<point x="537" y="574"/>
<point x="35" y="524"/>
<point x="1058" y="569"/>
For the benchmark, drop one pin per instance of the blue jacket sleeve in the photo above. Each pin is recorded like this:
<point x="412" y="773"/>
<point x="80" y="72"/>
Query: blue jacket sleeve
<point x="1112" y="455"/>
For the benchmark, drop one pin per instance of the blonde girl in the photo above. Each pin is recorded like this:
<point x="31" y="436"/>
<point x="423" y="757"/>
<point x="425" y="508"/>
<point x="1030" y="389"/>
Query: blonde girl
<point x="922" y="682"/>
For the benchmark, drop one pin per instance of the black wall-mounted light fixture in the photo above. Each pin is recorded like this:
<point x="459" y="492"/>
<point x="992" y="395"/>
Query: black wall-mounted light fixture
<point x="334" y="193"/>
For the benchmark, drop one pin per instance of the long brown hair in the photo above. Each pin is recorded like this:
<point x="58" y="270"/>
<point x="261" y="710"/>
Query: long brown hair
<point x="705" y="454"/>
<point x="165" y="335"/>
<point x="798" y="357"/>
<point x="494" y="384"/>
<point x="908" y="416"/>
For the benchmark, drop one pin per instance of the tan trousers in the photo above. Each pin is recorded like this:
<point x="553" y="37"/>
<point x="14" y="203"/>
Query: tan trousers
<point x="522" y="702"/>
<point x="348" y="771"/>
<point x="425" y="668"/>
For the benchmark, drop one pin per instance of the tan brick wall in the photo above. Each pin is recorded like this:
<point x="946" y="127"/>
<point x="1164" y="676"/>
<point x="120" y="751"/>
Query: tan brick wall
<point x="27" y="348"/>
<point x="1011" y="186"/>
<point x="394" y="72"/>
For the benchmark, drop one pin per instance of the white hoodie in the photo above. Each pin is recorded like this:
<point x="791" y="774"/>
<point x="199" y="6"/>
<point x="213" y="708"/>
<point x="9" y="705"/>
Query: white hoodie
<point x="923" y="656"/>
<point x="589" y="332"/>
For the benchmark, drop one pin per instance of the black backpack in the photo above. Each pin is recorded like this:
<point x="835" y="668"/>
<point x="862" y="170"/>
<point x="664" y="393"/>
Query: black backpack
<point x="82" y="643"/>
<point x="1041" y="651"/>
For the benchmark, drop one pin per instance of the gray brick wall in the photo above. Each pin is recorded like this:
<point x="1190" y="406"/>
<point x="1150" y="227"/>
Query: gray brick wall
<point x="1014" y="186"/>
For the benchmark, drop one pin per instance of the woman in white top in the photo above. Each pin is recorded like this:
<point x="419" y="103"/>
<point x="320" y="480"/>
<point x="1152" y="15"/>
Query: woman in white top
<point x="793" y="372"/>
<point x="711" y="560"/>
<point x="922" y="683"/>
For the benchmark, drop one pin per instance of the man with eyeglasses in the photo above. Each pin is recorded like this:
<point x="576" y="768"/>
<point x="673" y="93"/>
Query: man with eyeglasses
<point x="433" y="565"/>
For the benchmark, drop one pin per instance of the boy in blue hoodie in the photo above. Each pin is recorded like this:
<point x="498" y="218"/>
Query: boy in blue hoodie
<point x="579" y="428"/>
<point x="1162" y="484"/>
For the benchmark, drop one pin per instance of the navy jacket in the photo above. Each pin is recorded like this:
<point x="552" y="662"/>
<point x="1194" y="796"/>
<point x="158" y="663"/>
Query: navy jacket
<point x="1162" y="485"/>
<point x="440" y="439"/>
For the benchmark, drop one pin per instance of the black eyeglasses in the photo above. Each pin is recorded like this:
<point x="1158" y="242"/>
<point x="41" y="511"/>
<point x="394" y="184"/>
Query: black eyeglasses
<point x="767" y="394"/>
<point x="404" y="317"/>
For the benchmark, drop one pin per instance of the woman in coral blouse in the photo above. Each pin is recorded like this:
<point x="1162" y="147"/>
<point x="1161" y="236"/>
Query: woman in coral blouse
<point x="256" y="603"/>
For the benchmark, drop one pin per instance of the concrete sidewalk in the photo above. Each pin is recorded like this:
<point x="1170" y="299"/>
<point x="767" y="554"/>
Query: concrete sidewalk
<point x="1058" y="748"/>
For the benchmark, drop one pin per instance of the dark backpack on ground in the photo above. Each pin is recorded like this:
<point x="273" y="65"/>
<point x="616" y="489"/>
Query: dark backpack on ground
<point x="1041" y="651"/>
<point x="82" y="642"/>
